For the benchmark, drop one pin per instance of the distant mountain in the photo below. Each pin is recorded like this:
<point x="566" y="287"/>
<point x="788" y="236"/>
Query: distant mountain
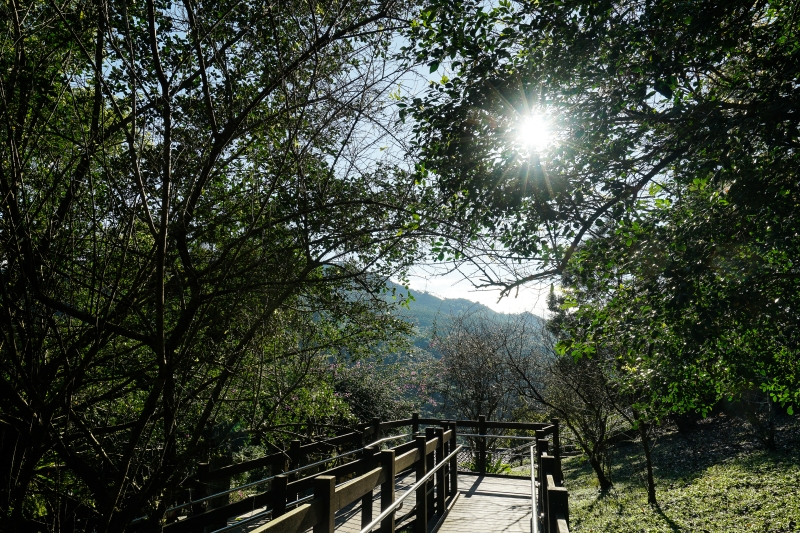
<point x="426" y="309"/>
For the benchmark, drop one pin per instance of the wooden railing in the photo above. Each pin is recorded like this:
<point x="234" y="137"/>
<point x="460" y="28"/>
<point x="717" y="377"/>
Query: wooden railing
<point x="552" y="505"/>
<point x="296" y="503"/>
<point x="553" y="498"/>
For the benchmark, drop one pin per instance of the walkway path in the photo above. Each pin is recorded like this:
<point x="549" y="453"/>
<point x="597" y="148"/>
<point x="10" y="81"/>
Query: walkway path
<point x="490" y="505"/>
<point x="485" y="505"/>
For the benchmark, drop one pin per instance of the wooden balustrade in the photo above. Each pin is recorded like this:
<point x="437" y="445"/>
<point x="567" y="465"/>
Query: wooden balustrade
<point x="552" y="496"/>
<point x="432" y="501"/>
<point x="321" y="494"/>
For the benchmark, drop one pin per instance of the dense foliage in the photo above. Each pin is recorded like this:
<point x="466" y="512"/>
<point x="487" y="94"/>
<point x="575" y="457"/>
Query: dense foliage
<point x="667" y="198"/>
<point x="190" y="195"/>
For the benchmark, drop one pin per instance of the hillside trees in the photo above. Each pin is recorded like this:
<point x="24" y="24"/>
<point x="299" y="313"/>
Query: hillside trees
<point x="667" y="192"/>
<point x="476" y="378"/>
<point x="500" y="366"/>
<point x="190" y="193"/>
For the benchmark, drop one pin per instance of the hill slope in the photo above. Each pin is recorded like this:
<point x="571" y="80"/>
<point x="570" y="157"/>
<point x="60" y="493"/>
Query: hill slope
<point x="716" y="479"/>
<point x="426" y="310"/>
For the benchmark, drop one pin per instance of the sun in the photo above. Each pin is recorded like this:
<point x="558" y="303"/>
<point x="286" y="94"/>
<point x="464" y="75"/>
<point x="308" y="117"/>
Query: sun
<point x="533" y="132"/>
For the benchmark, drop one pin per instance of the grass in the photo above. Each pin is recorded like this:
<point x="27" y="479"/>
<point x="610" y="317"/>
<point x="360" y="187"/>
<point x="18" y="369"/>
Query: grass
<point x="713" y="480"/>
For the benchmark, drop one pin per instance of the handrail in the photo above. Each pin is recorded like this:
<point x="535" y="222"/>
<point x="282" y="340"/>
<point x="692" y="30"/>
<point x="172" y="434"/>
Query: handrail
<point x="488" y="435"/>
<point x="300" y="469"/>
<point x="534" y="510"/>
<point x="389" y="510"/>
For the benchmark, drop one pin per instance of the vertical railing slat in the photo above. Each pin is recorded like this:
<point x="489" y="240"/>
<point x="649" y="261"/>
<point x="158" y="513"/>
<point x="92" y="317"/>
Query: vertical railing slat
<point x="387" y="490"/>
<point x="325" y="490"/>
<point x="421" y="522"/>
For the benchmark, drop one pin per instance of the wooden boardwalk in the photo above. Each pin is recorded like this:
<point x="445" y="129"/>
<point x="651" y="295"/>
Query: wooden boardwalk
<point x="490" y="505"/>
<point x="485" y="505"/>
<point x="348" y="519"/>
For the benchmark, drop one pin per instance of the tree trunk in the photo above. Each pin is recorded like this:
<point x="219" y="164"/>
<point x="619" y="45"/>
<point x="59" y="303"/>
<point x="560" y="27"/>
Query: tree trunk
<point x="651" y="484"/>
<point x="602" y="478"/>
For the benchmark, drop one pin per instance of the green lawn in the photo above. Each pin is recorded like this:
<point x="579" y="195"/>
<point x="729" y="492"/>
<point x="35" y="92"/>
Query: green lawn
<point x="714" y="480"/>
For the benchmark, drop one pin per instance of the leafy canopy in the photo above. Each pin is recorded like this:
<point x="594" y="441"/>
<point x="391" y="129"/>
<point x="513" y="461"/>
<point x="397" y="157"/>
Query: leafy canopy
<point x="668" y="193"/>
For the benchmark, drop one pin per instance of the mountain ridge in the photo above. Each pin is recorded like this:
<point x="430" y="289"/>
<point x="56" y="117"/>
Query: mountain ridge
<point x="424" y="309"/>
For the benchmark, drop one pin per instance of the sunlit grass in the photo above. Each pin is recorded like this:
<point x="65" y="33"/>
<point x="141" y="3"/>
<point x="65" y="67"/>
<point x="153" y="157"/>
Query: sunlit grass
<point x="759" y="491"/>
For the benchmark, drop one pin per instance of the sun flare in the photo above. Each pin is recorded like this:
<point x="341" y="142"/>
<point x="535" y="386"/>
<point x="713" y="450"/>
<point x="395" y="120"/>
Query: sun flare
<point x="534" y="132"/>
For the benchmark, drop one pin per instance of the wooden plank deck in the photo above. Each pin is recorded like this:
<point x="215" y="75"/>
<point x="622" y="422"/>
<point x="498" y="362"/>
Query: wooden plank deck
<point x="490" y="505"/>
<point x="348" y="519"/>
<point x="485" y="505"/>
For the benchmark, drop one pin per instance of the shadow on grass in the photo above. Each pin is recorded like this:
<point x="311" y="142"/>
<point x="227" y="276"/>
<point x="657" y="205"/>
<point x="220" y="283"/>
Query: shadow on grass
<point x="611" y="499"/>
<point x="672" y="525"/>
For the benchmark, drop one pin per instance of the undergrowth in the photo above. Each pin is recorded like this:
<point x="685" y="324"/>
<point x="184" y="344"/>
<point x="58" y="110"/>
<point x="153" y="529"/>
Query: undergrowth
<point x="713" y="480"/>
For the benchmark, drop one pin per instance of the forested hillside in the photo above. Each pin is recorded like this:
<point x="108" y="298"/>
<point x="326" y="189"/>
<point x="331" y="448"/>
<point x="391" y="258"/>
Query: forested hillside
<point x="425" y="311"/>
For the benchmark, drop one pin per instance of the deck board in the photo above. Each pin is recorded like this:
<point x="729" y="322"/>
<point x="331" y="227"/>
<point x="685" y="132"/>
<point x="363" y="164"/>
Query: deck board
<point x="490" y="504"/>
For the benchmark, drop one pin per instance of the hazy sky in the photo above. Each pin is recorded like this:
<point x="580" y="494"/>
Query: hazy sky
<point x="453" y="285"/>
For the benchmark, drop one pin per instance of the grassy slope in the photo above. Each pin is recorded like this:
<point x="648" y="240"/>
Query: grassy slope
<point x="713" y="480"/>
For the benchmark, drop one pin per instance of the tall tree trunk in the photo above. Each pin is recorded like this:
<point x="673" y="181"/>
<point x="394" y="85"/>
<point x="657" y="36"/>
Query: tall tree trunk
<point x="647" y="446"/>
<point x="602" y="478"/>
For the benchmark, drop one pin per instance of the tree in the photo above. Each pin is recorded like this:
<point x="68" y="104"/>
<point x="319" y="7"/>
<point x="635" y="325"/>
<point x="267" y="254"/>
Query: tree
<point x="184" y="187"/>
<point x="475" y="376"/>
<point x="377" y="388"/>
<point x="668" y="190"/>
<point x="579" y="392"/>
<point x="596" y="399"/>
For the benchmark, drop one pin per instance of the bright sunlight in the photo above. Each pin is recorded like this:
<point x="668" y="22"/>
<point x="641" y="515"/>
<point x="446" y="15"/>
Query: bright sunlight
<point x="533" y="132"/>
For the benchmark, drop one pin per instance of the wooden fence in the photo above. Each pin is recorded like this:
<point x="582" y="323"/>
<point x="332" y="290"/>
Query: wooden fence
<point x="296" y="504"/>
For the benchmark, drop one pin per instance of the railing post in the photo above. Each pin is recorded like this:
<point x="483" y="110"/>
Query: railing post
<point x="294" y="462"/>
<point x="440" y="474"/>
<point x="541" y="449"/>
<point x="218" y="485"/>
<point x="376" y="429"/>
<point x="358" y="439"/>
<point x="447" y="448"/>
<point x="557" y="505"/>
<point x="557" y="449"/>
<point x="368" y="457"/>
<point x="294" y="454"/>
<point x="481" y="445"/>
<point x="421" y="522"/>
<point x="279" y="483"/>
<point x="547" y="465"/>
<point x="199" y="488"/>
<point x="325" y="490"/>
<point x="387" y="490"/>
<point x="431" y="462"/>
<point x="414" y="424"/>
<point x="453" y="462"/>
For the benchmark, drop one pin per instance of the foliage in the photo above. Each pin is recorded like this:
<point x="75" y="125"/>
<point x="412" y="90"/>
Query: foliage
<point x="493" y="466"/>
<point x="668" y="195"/>
<point x="190" y="193"/>
<point x="476" y="377"/>
<point x="388" y="390"/>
